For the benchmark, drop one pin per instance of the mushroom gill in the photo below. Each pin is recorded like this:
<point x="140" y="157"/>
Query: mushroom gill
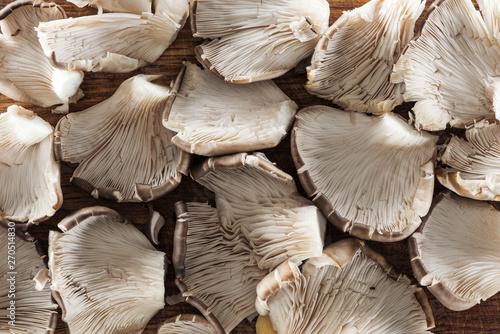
<point x="122" y="6"/>
<point x="186" y="324"/>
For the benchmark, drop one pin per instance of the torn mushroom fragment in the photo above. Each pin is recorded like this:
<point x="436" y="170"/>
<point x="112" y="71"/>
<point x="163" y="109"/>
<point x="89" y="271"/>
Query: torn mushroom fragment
<point x="186" y="324"/>
<point x="456" y="251"/>
<point x="371" y="176"/>
<point x="353" y="60"/>
<point x="349" y="289"/>
<point x="122" y="6"/>
<point x="106" y="276"/>
<point x="213" y="117"/>
<point x="451" y="70"/>
<point x="473" y="164"/>
<point x="23" y="282"/>
<point x="29" y="174"/>
<point x="113" y="42"/>
<point x="26" y="74"/>
<point x="124" y="152"/>
<point x="255" y="40"/>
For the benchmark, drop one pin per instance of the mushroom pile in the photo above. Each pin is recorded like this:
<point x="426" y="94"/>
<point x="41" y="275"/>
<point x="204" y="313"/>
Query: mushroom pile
<point x="277" y="164"/>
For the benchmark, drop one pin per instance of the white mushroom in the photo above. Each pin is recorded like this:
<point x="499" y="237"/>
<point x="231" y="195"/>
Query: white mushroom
<point x="106" y="276"/>
<point x="213" y="117"/>
<point x="452" y="70"/>
<point x="255" y="40"/>
<point x="456" y="251"/>
<point x="122" y="6"/>
<point x="124" y="152"/>
<point x="371" y="176"/>
<point x="29" y="174"/>
<point x="113" y="42"/>
<point x="349" y="289"/>
<point x="186" y="324"/>
<point x="25" y="72"/>
<point x="473" y="165"/>
<point x="353" y="60"/>
<point x="23" y="307"/>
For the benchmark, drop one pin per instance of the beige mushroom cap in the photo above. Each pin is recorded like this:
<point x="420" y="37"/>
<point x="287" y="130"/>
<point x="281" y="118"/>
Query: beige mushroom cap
<point x="121" y="6"/>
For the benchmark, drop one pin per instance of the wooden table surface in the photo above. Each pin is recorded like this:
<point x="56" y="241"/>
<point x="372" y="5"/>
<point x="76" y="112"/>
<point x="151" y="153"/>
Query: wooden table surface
<point x="484" y="318"/>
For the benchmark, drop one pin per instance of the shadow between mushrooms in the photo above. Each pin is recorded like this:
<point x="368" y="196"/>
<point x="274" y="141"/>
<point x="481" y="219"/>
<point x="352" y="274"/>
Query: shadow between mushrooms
<point x="186" y="324"/>
<point x="124" y="152"/>
<point x="123" y="6"/>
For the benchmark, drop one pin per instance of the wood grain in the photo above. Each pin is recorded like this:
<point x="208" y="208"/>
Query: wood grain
<point x="484" y="318"/>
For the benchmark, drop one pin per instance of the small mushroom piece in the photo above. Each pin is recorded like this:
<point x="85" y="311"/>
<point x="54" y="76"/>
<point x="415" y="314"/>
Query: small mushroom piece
<point x="124" y="152"/>
<point x="26" y="74"/>
<point x="456" y="251"/>
<point x="352" y="63"/>
<point x="349" y="289"/>
<point x="25" y="309"/>
<point x="122" y="6"/>
<point x="451" y="70"/>
<point x="371" y="176"/>
<point x="113" y="42"/>
<point x="213" y="117"/>
<point x="254" y="40"/>
<point x="473" y="164"/>
<point x="106" y="275"/>
<point x="30" y="177"/>
<point x="153" y="225"/>
<point x="186" y="324"/>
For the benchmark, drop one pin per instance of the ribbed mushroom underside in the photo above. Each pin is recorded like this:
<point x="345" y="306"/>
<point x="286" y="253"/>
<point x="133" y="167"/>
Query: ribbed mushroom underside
<point x="452" y="69"/>
<point x="108" y="275"/>
<point x="122" y="6"/>
<point x="210" y="114"/>
<point x="113" y="42"/>
<point x="219" y="268"/>
<point x="25" y="72"/>
<point x="359" y="298"/>
<point x="354" y="69"/>
<point x="29" y="174"/>
<point x="121" y="142"/>
<point x="33" y="309"/>
<point x="370" y="169"/>
<point x="185" y="324"/>
<point x="459" y="247"/>
<point x="259" y="38"/>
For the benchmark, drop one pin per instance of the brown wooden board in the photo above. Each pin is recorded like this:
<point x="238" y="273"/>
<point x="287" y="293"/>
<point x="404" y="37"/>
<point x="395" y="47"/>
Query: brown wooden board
<point x="484" y="318"/>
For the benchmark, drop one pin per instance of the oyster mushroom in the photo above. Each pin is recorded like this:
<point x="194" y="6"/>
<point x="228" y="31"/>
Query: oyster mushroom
<point x="106" y="276"/>
<point x="451" y="70"/>
<point x="256" y="40"/>
<point x="352" y="63"/>
<point x="29" y="174"/>
<point x="349" y="289"/>
<point x="26" y="303"/>
<point x="26" y="74"/>
<point x="124" y="152"/>
<point x="213" y="117"/>
<point x="455" y="252"/>
<point x="125" y="41"/>
<point x="122" y="6"/>
<point x="186" y="324"/>
<point x="371" y="176"/>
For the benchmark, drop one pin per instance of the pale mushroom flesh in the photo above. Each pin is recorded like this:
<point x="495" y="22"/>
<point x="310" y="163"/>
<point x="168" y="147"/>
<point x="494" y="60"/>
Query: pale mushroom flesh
<point x="121" y="6"/>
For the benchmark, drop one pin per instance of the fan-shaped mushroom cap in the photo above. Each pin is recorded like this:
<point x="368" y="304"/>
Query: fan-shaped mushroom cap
<point x="349" y="289"/>
<point x="106" y="275"/>
<point x="474" y="163"/>
<point x="456" y="251"/>
<point x="113" y="42"/>
<point x="215" y="118"/>
<point x="255" y="40"/>
<point x="186" y="324"/>
<point x="31" y="308"/>
<point x="452" y="70"/>
<point x="353" y="60"/>
<point x="371" y="176"/>
<point x="122" y="6"/>
<point x="124" y="152"/>
<point x="29" y="175"/>
<point x="25" y="72"/>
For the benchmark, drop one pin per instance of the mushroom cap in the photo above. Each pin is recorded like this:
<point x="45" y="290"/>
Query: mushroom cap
<point x="122" y="6"/>
<point x="126" y="41"/>
<point x="371" y="176"/>
<point x="186" y="324"/>
<point x="254" y="40"/>
<point x="213" y="117"/>
<point x="349" y="289"/>
<point x="39" y="84"/>
<point x="451" y="70"/>
<point x="29" y="174"/>
<point x="455" y="252"/>
<point x="106" y="276"/>
<point x="124" y="152"/>
<point x="353" y="60"/>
